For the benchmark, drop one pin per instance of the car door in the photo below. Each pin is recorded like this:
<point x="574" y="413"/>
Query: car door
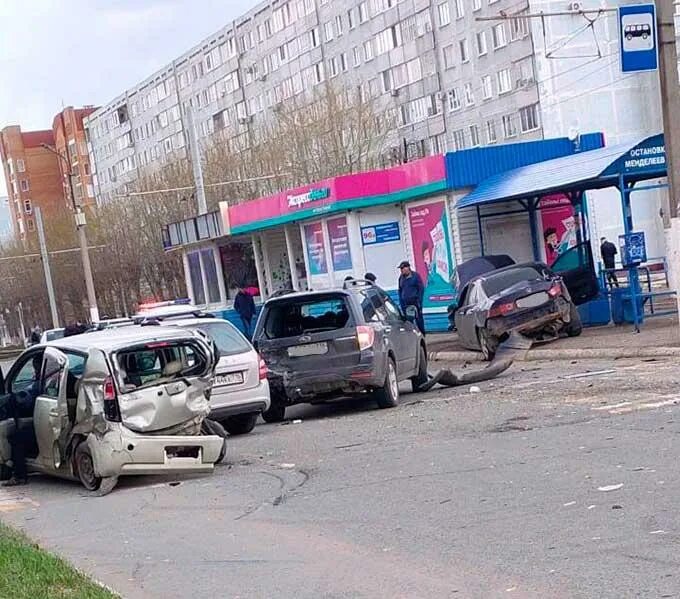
<point x="390" y="327"/>
<point x="576" y="267"/>
<point x="465" y="321"/>
<point x="409" y="339"/>
<point x="50" y="416"/>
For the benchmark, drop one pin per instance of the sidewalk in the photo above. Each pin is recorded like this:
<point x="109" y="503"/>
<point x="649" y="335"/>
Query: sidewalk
<point x="657" y="337"/>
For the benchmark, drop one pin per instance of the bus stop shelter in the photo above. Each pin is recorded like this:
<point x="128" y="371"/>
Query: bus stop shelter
<point x="623" y="166"/>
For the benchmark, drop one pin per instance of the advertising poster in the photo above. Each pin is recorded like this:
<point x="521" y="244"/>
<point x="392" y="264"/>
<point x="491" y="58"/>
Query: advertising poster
<point x="432" y="249"/>
<point x="559" y="226"/>
<point x="316" y="250"/>
<point x="380" y="233"/>
<point x="339" y="240"/>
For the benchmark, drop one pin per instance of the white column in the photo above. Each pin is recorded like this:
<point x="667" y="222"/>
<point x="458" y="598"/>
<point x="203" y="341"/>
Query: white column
<point x="259" y="267"/>
<point x="204" y="277"/>
<point x="355" y="245"/>
<point x="267" y="264"/>
<point x="187" y="277"/>
<point x="291" y="259"/>
<point x="220" y="274"/>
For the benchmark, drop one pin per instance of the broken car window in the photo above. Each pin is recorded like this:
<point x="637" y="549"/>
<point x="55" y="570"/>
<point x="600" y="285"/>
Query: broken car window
<point x="296" y="317"/>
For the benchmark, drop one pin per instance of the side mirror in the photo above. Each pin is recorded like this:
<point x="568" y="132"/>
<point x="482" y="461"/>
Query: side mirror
<point x="411" y="313"/>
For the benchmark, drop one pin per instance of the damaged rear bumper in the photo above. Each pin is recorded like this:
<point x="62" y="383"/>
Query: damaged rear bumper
<point x="120" y="451"/>
<point x="530" y="321"/>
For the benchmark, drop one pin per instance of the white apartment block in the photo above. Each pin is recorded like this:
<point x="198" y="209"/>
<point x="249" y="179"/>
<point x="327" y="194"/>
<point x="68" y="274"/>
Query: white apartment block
<point x="455" y="82"/>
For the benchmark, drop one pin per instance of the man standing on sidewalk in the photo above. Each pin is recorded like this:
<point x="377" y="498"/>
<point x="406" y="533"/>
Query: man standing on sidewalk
<point x="244" y="304"/>
<point x="608" y="252"/>
<point x="411" y="292"/>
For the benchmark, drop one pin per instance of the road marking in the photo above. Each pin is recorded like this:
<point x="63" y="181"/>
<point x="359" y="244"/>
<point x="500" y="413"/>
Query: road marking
<point x="644" y="406"/>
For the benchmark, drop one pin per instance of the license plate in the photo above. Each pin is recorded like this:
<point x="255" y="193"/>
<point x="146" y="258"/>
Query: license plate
<point x="233" y="378"/>
<point x="311" y="349"/>
<point x="531" y="301"/>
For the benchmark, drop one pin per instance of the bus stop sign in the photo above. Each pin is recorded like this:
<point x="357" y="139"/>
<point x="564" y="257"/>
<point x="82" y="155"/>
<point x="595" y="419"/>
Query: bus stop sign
<point x="638" y="38"/>
<point x="633" y="249"/>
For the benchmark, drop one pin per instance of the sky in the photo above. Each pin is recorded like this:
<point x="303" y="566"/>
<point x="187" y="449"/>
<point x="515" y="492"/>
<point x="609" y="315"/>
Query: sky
<point x="56" y="53"/>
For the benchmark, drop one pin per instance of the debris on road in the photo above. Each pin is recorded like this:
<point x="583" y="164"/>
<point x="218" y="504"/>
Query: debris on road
<point x="608" y="488"/>
<point x="583" y="375"/>
<point x="475" y="389"/>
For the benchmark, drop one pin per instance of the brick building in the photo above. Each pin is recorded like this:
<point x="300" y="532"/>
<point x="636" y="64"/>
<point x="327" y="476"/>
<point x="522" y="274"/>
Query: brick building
<point x="36" y="176"/>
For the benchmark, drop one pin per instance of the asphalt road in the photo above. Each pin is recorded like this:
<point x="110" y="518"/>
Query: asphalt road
<point x="510" y="492"/>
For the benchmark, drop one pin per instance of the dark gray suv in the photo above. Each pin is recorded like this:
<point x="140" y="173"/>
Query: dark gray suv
<point x="324" y="344"/>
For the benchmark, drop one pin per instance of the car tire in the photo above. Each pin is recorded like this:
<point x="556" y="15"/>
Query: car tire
<point x="212" y="427"/>
<point x="84" y="466"/>
<point x="240" y="424"/>
<point x="488" y="344"/>
<point x="421" y="378"/>
<point x="275" y="413"/>
<point x="387" y="396"/>
<point x="575" y="326"/>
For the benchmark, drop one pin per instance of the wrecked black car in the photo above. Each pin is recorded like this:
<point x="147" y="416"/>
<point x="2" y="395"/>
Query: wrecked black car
<point x="324" y="344"/>
<point x="526" y="298"/>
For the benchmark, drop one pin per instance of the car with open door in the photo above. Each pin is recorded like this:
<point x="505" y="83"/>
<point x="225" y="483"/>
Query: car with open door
<point x="116" y="402"/>
<point x="528" y="298"/>
<point x="319" y="345"/>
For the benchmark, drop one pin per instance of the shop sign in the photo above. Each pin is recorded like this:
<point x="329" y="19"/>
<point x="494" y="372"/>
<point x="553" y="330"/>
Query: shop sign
<point x="381" y="233"/>
<point x="341" y="254"/>
<point x="296" y="200"/>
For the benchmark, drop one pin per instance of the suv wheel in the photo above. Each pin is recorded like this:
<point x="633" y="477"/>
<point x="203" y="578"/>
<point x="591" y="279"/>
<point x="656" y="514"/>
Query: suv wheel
<point x="240" y="424"/>
<point x="275" y="413"/>
<point x="421" y="378"/>
<point x="388" y="395"/>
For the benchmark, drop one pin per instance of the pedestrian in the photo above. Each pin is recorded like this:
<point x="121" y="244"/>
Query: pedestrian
<point x="22" y="440"/>
<point x="36" y="333"/>
<point x="371" y="278"/>
<point x="244" y="304"/>
<point x="608" y="252"/>
<point x="411" y="292"/>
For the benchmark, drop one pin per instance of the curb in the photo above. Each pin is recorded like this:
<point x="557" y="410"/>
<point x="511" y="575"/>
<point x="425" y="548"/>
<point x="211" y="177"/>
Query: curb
<point x="564" y="354"/>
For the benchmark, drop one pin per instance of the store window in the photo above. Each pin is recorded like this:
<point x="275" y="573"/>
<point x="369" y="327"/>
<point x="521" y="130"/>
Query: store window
<point x="194" y="259"/>
<point x="210" y="272"/>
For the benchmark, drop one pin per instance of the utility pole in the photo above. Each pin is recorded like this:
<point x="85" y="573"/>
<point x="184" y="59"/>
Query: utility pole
<point x="196" y="165"/>
<point x="46" y="266"/>
<point x="670" y="100"/>
<point x="80" y="221"/>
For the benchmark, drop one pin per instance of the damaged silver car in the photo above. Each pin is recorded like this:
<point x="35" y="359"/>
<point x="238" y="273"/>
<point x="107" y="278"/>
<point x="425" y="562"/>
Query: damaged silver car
<point x="97" y="406"/>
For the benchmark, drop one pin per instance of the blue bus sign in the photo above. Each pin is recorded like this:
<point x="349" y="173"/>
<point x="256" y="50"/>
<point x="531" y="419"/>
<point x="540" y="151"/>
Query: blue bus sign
<point x="633" y="248"/>
<point x="638" y="38"/>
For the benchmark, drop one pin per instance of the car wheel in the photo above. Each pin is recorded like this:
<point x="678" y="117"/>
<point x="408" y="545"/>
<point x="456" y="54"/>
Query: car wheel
<point x="388" y="395"/>
<point x="421" y="378"/>
<point x="629" y="37"/>
<point x="241" y="424"/>
<point x="85" y="468"/>
<point x="275" y="413"/>
<point x="575" y="326"/>
<point x="487" y="343"/>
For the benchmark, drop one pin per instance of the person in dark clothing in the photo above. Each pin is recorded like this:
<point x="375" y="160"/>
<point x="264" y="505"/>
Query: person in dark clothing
<point x="371" y="278"/>
<point x="608" y="252"/>
<point x="23" y="440"/>
<point x="244" y="304"/>
<point x="411" y="292"/>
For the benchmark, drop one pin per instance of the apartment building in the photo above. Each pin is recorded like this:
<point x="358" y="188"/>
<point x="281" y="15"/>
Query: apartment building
<point x="32" y="175"/>
<point x="452" y="80"/>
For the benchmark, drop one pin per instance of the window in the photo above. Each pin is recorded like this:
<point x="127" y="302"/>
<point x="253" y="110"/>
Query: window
<point x="28" y="375"/>
<point x="212" y="61"/>
<point x="504" y="81"/>
<point x="314" y="37"/>
<point x="296" y="317"/>
<point x="387" y="39"/>
<point x="469" y="94"/>
<point x="24" y="185"/>
<point x="459" y="140"/>
<point x="333" y="67"/>
<point x="487" y="88"/>
<point x="368" y="50"/>
<point x="338" y="25"/>
<point x="519" y="28"/>
<point x="328" y="31"/>
<point x="449" y="57"/>
<point x="319" y="74"/>
<point x="525" y="72"/>
<point x="499" y="37"/>
<point x="464" y="54"/>
<point x="21" y="165"/>
<point x="460" y="9"/>
<point x="474" y="136"/>
<point x="228" y="339"/>
<point x="30" y="225"/>
<point x="438" y="144"/>
<point x="363" y="12"/>
<point x="356" y="52"/>
<point x="28" y="207"/>
<point x="476" y="5"/>
<point x="509" y="126"/>
<point x="453" y="98"/>
<point x="491" y="135"/>
<point x="343" y="62"/>
<point x="86" y="166"/>
<point x="444" y="13"/>
<point x="481" y="43"/>
<point x="528" y="117"/>
<point x="351" y="18"/>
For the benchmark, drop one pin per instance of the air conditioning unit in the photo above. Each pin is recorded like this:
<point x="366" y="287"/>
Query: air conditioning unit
<point x="394" y="93"/>
<point x="244" y="120"/>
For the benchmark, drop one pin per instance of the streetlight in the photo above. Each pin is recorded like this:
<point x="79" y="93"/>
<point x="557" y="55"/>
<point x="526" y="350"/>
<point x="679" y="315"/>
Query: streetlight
<point x="82" y="237"/>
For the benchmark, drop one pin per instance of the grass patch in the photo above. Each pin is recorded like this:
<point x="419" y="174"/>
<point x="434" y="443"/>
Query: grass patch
<point x="28" y="572"/>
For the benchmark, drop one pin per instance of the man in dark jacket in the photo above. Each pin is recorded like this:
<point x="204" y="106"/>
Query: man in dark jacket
<point x="411" y="292"/>
<point x="608" y="252"/>
<point x="244" y="304"/>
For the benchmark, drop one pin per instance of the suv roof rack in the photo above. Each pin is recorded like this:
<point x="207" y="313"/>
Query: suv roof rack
<point x="281" y="293"/>
<point x="349" y="283"/>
